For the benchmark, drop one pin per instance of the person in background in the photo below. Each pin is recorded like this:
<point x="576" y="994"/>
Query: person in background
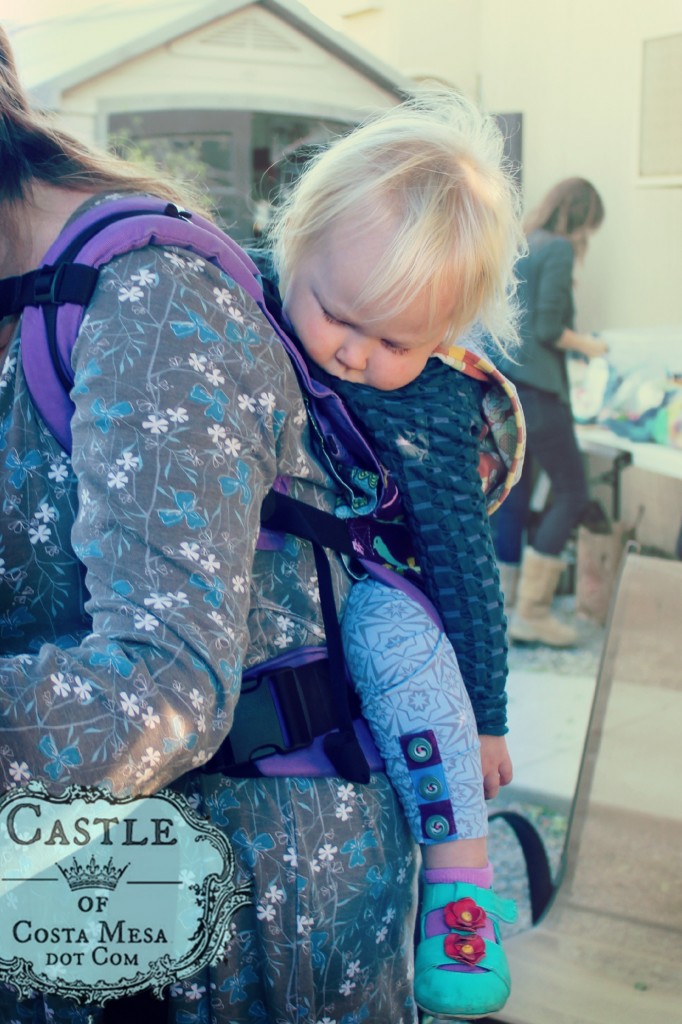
<point x="558" y="231"/>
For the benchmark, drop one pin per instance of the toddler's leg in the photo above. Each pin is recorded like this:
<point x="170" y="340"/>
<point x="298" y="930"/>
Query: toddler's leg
<point x="415" y="702"/>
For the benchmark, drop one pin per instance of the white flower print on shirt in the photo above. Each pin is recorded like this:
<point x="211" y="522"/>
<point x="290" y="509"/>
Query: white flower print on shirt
<point x="273" y="894"/>
<point x="326" y="852"/>
<point x="128" y="461"/>
<point x="196" y="263"/>
<point x="130" y="704"/>
<point x="291" y="857"/>
<point x="191" y="550"/>
<point x="130" y="293"/>
<point x="198" y="362"/>
<point x="156" y="424"/>
<point x="82" y="689"/>
<point x="158" y="601"/>
<point x="117" y="480"/>
<point x="197" y="698"/>
<point x="267" y="401"/>
<point x="58" y="472"/>
<point x="178" y="415"/>
<point x="146" y="622"/>
<point x="174" y="259"/>
<point x="246" y="403"/>
<point x="150" y="719"/>
<point x="223" y="296"/>
<point x="302" y="465"/>
<point x="145" y="277"/>
<point x="236" y="314"/>
<point x="39" y="534"/>
<point x="353" y="968"/>
<point x="344" y="811"/>
<point x="19" y="772"/>
<point x="45" y="513"/>
<point x="215" y="377"/>
<point x="217" y="433"/>
<point x="232" y="446"/>
<point x="59" y="684"/>
<point x="304" y="924"/>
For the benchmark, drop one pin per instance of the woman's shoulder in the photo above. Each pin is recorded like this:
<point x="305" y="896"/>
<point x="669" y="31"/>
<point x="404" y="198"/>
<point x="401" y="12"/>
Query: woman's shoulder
<point x="544" y="245"/>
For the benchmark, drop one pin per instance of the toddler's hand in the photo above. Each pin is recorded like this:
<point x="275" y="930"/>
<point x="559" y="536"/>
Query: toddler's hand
<point x="496" y="764"/>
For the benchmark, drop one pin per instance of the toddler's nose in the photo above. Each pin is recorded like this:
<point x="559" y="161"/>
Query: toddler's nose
<point x="353" y="352"/>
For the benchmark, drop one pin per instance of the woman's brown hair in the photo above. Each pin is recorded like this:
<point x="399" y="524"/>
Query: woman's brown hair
<point x="572" y="205"/>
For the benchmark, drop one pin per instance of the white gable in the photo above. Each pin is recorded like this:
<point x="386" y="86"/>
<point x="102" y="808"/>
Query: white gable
<point x="250" y="59"/>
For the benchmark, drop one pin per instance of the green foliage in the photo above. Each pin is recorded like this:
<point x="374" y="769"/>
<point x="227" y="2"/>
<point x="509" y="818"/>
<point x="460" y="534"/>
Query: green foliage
<point x="175" y="158"/>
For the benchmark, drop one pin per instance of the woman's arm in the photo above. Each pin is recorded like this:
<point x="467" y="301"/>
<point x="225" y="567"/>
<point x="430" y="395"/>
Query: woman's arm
<point x="583" y="344"/>
<point x="181" y="397"/>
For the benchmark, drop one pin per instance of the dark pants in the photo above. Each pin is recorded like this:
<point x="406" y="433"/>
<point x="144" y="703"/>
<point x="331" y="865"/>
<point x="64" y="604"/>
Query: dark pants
<point x="552" y="445"/>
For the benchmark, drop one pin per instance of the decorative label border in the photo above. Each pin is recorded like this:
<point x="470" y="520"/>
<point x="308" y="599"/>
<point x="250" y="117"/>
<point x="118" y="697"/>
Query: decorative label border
<point x="102" y="897"/>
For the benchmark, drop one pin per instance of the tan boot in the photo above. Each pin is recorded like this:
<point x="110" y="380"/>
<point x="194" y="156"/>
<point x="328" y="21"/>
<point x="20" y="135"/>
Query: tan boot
<point x="532" y="620"/>
<point x="509" y="581"/>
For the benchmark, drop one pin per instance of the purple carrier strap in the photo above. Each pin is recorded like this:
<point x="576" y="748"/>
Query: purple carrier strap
<point x="205" y="240"/>
<point x="151" y="225"/>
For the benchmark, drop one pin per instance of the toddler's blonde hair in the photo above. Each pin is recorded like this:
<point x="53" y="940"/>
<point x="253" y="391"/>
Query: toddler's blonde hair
<point x="434" y="166"/>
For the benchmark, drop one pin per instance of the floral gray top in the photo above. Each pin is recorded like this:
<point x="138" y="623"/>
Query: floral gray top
<point x="131" y="591"/>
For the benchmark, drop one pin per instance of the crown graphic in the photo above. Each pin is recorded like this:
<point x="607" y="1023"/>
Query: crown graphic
<point x="93" y="875"/>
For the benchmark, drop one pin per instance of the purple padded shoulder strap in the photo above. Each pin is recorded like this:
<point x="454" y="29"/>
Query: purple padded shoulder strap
<point x="148" y="225"/>
<point x="133" y="223"/>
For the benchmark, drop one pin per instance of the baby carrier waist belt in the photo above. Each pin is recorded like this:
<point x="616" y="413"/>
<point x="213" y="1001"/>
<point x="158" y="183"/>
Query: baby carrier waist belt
<point x="279" y="711"/>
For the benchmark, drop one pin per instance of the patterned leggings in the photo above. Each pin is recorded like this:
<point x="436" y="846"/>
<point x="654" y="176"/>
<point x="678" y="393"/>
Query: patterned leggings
<point x="413" y="697"/>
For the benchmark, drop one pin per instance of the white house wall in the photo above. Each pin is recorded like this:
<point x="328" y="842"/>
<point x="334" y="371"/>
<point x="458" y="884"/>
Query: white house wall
<point x="576" y="78"/>
<point x="250" y="60"/>
<point x="572" y="69"/>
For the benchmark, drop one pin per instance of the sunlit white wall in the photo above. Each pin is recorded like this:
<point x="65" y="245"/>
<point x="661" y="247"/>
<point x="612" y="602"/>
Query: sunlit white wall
<point x="572" y="68"/>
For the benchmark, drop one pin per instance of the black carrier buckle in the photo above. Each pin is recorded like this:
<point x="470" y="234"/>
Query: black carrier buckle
<point x="278" y="712"/>
<point x="46" y="285"/>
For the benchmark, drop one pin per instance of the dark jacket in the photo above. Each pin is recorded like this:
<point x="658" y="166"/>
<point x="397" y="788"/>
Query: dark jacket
<point x="546" y="298"/>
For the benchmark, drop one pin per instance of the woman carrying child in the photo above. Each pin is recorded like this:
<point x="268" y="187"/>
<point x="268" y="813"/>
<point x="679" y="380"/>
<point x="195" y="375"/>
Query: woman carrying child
<point x="133" y="596"/>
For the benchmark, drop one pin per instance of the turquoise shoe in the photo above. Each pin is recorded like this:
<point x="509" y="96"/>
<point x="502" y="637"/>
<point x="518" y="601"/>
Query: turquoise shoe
<point x="459" y="972"/>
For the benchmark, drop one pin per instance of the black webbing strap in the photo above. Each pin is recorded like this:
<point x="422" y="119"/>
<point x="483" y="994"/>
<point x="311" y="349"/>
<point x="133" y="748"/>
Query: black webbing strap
<point x="341" y="746"/>
<point x="540" y="885"/>
<point x="280" y="711"/>
<point x="285" y="514"/>
<point x="322" y="529"/>
<point x="66" y="282"/>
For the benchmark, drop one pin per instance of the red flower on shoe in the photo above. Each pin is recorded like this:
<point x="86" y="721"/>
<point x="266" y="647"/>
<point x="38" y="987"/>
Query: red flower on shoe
<point x="464" y="914"/>
<point x="468" y="949"/>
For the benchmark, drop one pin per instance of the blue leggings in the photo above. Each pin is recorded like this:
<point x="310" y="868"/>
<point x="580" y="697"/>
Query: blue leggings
<point x="416" y="705"/>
